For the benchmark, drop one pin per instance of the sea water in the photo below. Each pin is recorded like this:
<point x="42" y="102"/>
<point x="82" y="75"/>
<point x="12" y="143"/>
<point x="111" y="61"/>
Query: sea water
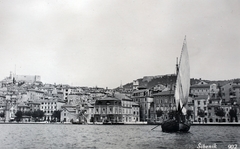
<point x="60" y="136"/>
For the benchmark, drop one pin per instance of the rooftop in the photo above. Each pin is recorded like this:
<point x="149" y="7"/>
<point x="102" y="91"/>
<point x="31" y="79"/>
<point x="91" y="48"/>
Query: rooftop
<point x="164" y="93"/>
<point x="200" y="86"/>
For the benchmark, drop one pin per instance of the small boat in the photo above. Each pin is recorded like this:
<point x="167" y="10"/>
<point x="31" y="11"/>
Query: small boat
<point x="179" y="123"/>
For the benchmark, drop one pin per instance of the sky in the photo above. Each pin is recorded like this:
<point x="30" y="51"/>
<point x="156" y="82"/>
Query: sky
<point x="103" y="43"/>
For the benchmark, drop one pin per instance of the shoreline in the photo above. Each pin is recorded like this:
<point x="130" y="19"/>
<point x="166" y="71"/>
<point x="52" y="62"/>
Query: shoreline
<point x="129" y="123"/>
<point x="217" y="124"/>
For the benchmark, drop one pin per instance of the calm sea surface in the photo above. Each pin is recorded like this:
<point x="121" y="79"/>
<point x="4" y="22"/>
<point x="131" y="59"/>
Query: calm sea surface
<point x="56" y="136"/>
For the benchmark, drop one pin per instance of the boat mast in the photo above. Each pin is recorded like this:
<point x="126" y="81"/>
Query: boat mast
<point x="177" y="67"/>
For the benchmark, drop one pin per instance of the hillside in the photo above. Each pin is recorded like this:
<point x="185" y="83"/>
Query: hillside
<point x="151" y="81"/>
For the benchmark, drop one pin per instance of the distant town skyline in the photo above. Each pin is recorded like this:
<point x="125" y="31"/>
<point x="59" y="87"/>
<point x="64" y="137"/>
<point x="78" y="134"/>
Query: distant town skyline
<point x="104" y="43"/>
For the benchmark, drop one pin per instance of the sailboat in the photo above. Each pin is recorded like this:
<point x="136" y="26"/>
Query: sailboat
<point x="179" y="123"/>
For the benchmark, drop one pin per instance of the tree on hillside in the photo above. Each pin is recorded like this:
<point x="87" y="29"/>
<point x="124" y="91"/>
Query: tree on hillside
<point x="56" y="115"/>
<point x="27" y="113"/>
<point x="220" y="112"/>
<point x="2" y="114"/>
<point x="37" y="115"/>
<point x="233" y="114"/>
<point x="159" y="113"/>
<point x="18" y="115"/>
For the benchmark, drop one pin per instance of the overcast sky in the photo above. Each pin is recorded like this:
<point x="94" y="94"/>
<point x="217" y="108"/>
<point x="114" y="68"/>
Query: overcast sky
<point x="101" y="43"/>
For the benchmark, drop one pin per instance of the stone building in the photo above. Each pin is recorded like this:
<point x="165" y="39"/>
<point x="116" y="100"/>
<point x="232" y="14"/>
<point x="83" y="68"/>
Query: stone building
<point x="144" y="99"/>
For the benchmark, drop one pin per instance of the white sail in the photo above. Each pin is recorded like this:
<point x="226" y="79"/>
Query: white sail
<point x="183" y="78"/>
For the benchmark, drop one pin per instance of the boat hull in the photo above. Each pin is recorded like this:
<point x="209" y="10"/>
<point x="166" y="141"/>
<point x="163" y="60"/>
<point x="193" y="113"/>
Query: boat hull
<point x="175" y="126"/>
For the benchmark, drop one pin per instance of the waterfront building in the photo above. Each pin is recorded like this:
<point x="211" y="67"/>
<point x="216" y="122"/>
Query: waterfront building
<point x="69" y="113"/>
<point x="213" y="104"/>
<point x="49" y="106"/>
<point x="127" y="108"/>
<point x="108" y="109"/>
<point x="200" y="103"/>
<point x="162" y="101"/>
<point x="73" y="113"/>
<point x="143" y="98"/>
<point x="116" y="108"/>
<point x="136" y="114"/>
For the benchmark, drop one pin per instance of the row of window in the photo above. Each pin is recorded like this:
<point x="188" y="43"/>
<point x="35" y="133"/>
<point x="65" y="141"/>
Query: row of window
<point x="48" y="103"/>
<point x="52" y="107"/>
<point x="204" y="102"/>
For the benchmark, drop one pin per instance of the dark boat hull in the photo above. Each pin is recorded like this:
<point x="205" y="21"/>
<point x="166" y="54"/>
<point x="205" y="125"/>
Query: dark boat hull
<point x="175" y="126"/>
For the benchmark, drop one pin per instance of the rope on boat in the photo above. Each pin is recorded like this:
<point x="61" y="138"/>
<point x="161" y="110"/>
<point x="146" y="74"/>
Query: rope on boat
<point x="155" y="127"/>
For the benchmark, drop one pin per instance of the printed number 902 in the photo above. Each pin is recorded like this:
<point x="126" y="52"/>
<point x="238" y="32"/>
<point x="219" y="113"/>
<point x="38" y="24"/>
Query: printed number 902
<point x="232" y="146"/>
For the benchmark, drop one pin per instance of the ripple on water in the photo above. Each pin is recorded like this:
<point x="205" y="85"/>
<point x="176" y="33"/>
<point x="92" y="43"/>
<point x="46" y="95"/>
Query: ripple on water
<point x="126" y="136"/>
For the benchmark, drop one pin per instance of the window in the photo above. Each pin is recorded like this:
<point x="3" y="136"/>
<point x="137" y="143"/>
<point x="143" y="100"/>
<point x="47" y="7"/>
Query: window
<point x="204" y="102"/>
<point x="198" y="102"/>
